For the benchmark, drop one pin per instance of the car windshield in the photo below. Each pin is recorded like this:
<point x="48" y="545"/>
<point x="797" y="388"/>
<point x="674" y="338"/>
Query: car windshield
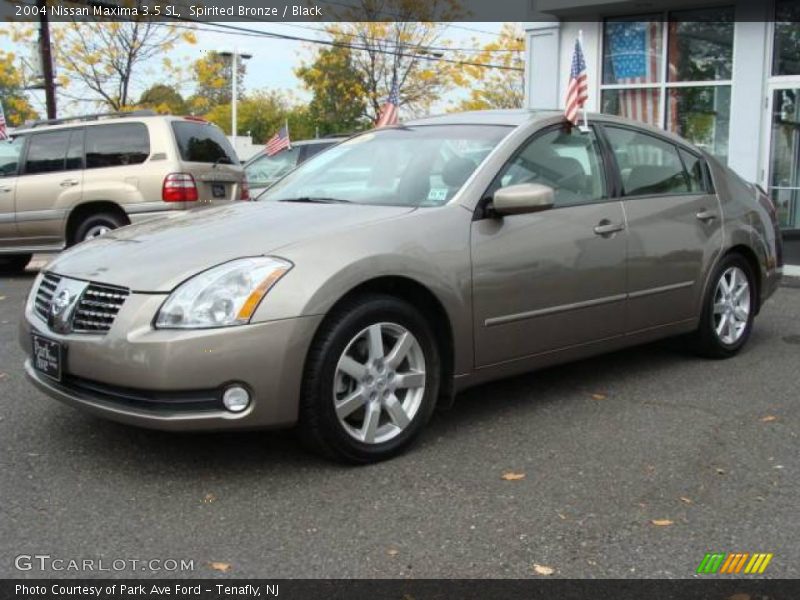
<point x="404" y="166"/>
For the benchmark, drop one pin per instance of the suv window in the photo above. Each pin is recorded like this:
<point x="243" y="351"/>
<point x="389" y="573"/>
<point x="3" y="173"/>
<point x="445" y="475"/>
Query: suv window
<point x="203" y="142"/>
<point x="9" y="156"/>
<point x="647" y="164"/>
<point x="116" y="145"/>
<point x="47" y="152"/>
<point x="566" y="160"/>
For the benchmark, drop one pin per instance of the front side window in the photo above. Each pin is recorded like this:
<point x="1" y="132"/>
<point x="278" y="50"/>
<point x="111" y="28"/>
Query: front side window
<point x="266" y="169"/>
<point x="564" y="159"/>
<point x="116" y="145"/>
<point x="647" y="165"/>
<point x="47" y="152"/>
<point x="10" y="151"/>
<point x="404" y="166"/>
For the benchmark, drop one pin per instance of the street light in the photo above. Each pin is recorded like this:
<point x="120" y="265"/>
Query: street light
<point x="235" y="56"/>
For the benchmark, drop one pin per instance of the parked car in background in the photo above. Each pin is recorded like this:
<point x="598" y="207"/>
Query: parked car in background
<point x="399" y="267"/>
<point x="262" y="170"/>
<point x="68" y="180"/>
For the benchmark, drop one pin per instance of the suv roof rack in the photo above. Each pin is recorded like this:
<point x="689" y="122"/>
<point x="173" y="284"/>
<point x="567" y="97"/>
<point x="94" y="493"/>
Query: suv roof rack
<point x="94" y="117"/>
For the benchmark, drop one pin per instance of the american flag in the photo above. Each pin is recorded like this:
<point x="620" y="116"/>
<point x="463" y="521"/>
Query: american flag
<point x="578" y="87"/>
<point x="389" y="110"/>
<point x="635" y="50"/>
<point x="3" y="129"/>
<point x="279" y="141"/>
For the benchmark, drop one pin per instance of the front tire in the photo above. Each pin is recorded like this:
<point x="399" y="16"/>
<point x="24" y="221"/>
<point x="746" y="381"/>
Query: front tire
<point x="728" y="309"/>
<point x="371" y="380"/>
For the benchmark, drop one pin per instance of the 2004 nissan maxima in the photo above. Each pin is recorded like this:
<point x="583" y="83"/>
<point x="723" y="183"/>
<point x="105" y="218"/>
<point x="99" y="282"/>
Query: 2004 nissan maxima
<point x="399" y="267"/>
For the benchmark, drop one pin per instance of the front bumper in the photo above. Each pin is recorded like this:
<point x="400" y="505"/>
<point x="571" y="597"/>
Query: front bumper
<point x="173" y="379"/>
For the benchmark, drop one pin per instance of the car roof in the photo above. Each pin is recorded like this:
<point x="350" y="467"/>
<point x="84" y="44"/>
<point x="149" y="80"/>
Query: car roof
<point x="508" y="117"/>
<point x="103" y="120"/>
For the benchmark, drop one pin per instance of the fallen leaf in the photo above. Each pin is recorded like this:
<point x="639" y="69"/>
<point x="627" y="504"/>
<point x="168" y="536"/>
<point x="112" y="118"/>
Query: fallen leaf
<point x="511" y="476"/>
<point x="685" y="500"/>
<point x="393" y="552"/>
<point x="543" y="569"/>
<point x="562" y="516"/>
<point x="662" y="522"/>
<point x="2" y="297"/>
<point x="720" y="471"/>
<point x="220" y="566"/>
<point x="769" y="418"/>
<point x="599" y="396"/>
<point x="209" y="498"/>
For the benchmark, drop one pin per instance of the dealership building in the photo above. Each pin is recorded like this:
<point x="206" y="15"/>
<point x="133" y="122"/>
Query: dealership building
<point x="725" y="75"/>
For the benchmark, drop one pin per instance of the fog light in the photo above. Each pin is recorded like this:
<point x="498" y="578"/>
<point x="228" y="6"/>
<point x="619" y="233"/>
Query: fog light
<point x="236" y="398"/>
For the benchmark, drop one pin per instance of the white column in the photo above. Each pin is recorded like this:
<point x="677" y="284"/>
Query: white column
<point x="542" y="64"/>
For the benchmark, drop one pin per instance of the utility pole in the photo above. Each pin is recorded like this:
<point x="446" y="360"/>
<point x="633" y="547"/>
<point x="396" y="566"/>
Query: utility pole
<point x="47" y="59"/>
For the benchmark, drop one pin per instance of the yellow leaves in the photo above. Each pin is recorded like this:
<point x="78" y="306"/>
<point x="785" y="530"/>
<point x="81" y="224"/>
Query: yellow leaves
<point x="512" y="476"/>
<point x="220" y="566"/>
<point x="189" y="37"/>
<point x="662" y="522"/>
<point x="543" y="569"/>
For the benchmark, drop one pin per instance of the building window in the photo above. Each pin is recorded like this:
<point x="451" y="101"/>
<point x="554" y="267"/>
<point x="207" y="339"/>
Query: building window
<point x="672" y="70"/>
<point x="786" y="53"/>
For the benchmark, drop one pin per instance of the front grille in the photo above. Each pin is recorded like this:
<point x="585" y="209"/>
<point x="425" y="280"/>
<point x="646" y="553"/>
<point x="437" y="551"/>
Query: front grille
<point x="97" y="308"/>
<point x="44" y="296"/>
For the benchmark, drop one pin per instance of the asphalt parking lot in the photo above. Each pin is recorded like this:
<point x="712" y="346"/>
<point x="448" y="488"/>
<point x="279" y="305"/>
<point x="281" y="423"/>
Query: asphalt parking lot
<point x="635" y="464"/>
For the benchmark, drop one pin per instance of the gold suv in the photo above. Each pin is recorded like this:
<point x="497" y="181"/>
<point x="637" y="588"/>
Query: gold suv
<point x="64" y="181"/>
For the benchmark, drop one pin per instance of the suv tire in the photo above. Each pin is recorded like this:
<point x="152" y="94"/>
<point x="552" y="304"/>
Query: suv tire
<point x="14" y="263"/>
<point x="96" y="225"/>
<point x="394" y="391"/>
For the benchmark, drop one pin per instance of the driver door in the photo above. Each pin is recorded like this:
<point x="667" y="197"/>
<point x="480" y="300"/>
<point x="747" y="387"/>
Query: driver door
<point x="553" y="279"/>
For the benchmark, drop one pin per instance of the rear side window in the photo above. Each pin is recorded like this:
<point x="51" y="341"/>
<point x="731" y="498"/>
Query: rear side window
<point x="647" y="164"/>
<point x="312" y="149"/>
<point x="203" y="142"/>
<point x="47" y="152"/>
<point x="266" y="169"/>
<point x="116" y="145"/>
<point x="695" y="170"/>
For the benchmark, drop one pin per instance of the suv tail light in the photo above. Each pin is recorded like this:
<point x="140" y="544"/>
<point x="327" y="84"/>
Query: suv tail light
<point x="179" y="187"/>
<point x="244" y="190"/>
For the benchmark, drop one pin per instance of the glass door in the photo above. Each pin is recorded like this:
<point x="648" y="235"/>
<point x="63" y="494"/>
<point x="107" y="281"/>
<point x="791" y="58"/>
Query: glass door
<point x="783" y="181"/>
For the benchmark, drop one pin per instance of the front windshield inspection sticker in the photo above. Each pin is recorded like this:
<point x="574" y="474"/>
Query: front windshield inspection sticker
<point x="437" y="194"/>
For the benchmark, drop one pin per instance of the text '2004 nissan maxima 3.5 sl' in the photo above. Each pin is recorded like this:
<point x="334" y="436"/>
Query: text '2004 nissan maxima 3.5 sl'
<point x="399" y="267"/>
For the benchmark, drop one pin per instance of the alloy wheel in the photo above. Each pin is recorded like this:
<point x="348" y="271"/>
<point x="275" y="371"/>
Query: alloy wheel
<point x="96" y="231"/>
<point x="379" y="383"/>
<point x="731" y="305"/>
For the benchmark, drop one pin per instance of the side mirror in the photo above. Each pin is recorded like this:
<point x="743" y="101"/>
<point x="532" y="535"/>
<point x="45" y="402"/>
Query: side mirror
<point x="523" y="198"/>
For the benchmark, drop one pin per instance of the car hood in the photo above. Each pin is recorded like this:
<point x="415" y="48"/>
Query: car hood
<point x="157" y="255"/>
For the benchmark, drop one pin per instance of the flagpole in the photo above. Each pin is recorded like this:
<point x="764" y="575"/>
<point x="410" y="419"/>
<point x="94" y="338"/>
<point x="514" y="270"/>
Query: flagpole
<point x="288" y="137"/>
<point x="585" y="118"/>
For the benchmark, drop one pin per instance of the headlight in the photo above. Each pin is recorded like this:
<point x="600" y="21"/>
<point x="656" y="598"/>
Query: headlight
<point x="224" y="295"/>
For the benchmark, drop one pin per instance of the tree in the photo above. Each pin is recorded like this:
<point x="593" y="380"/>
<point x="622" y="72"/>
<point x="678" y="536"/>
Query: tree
<point x="163" y="99"/>
<point x="262" y="113"/>
<point x="339" y="99"/>
<point x="16" y="106"/>
<point x="403" y="50"/>
<point x="495" y="88"/>
<point x="106" y="58"/>
<point x="213" y="74"/>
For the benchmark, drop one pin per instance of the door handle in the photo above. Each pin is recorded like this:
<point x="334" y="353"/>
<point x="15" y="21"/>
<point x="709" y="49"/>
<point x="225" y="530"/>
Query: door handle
<point x="706" y="215"/>
<point x="69" y="183"/>
<point x="6" y="189"/>
<point x="606" y="228"/>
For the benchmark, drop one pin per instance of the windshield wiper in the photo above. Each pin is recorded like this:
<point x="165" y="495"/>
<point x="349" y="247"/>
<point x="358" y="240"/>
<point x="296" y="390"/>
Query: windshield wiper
<point x="315" y="200"/>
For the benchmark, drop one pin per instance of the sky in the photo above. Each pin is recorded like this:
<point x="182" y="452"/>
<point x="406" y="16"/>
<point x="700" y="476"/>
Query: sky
<point x="273" y="61"/>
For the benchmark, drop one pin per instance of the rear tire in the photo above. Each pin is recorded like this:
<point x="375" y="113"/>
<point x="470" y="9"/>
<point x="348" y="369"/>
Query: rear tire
<point x="95" y="226"/>
<point x="371" y="380"/>
<point x="729" y="308"/>
<point x="14" y="263"/>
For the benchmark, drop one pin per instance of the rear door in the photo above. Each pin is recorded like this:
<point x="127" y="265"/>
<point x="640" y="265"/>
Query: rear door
<point x="673" y="225"/>
<point x="10" y="151"/>
<point x="49" y="186"/>
<point x="207" y="155"/>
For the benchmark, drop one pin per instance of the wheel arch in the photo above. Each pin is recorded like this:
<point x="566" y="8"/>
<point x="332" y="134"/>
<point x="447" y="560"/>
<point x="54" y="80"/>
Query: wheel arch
<point x="432" y="309"/>
<point x="750" y="256"/>
<point x="83" y="210"/>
